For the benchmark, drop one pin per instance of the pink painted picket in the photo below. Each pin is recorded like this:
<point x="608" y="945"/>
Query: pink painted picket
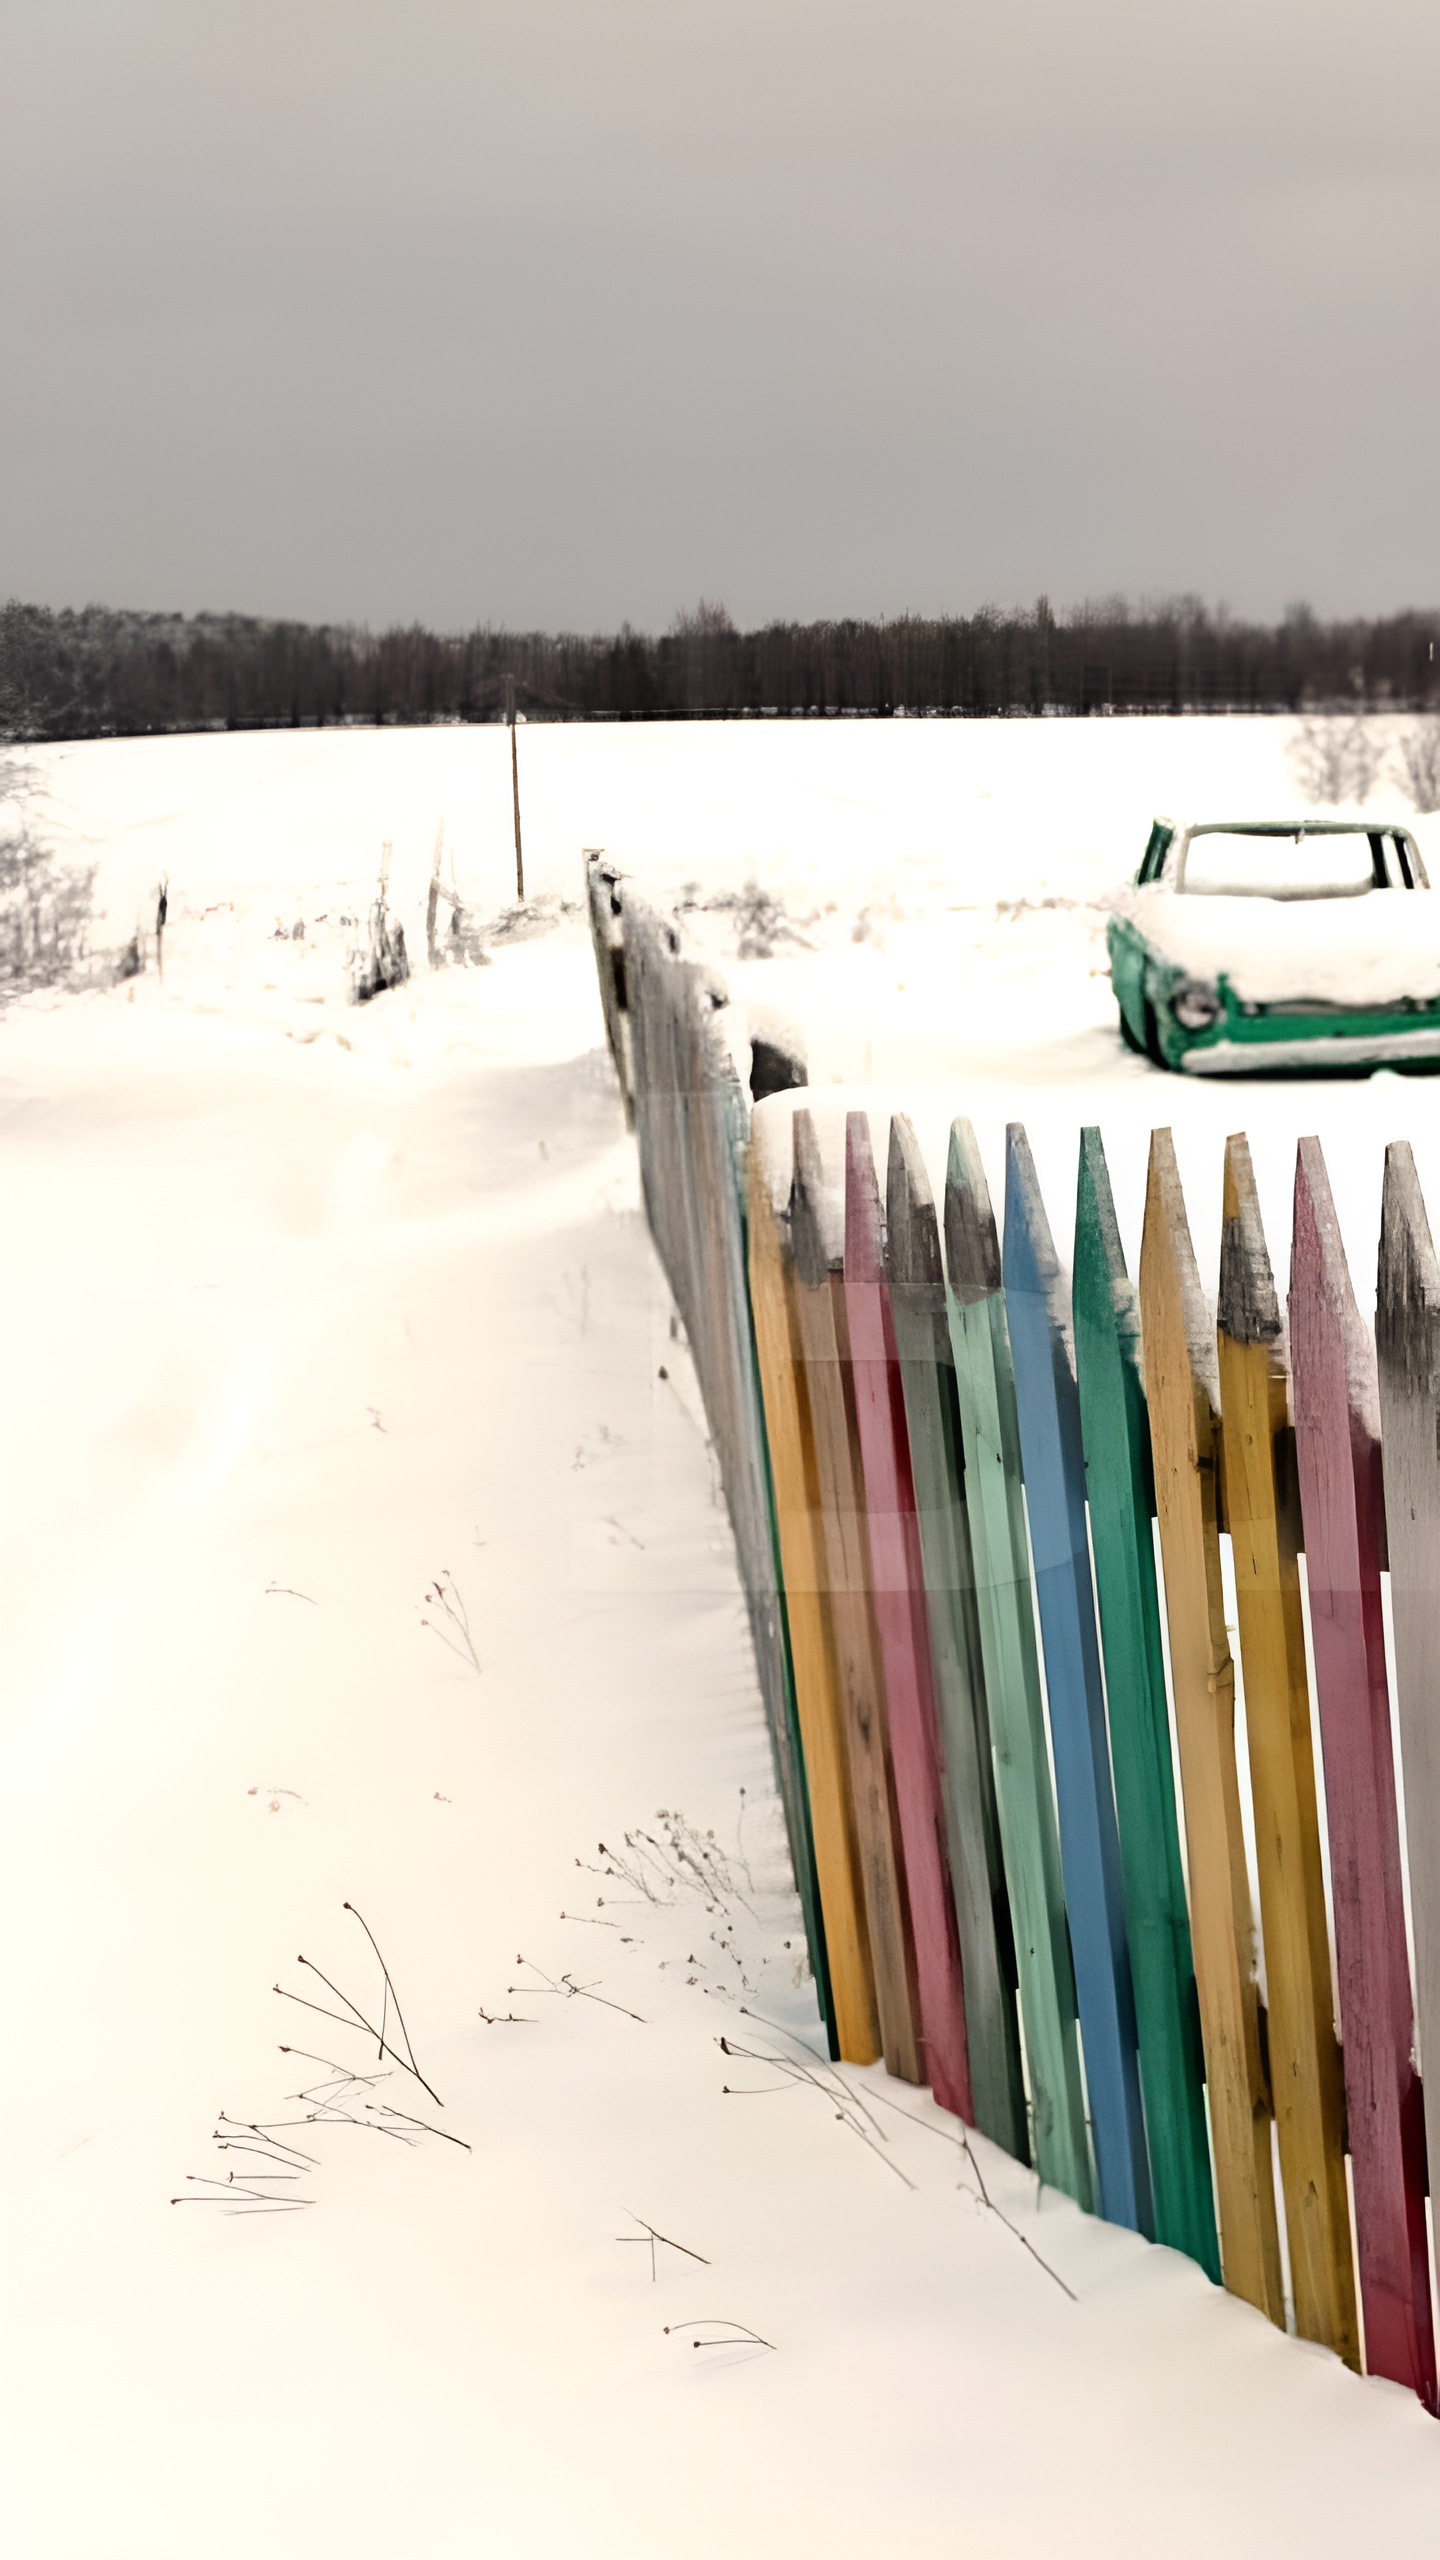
<point x="902" y="1624"/>
<point x="1342" y="1501"/>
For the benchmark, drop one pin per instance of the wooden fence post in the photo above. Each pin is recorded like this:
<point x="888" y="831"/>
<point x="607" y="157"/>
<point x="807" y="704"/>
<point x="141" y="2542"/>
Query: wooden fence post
<point x="817" y="1694"/>
<point x="1337" y="1437"/>
<point x="927" y="1369"/>
<point x="1115" y="1426"/>
<point x="986" y="1389"/>
<point x="820" y="1307"/>
<point x="1304" y="2056"/>
<point x="1407" y="1336"/>
<point x="1184" y="1396"/>
<point x="897" y="1587"/>
<point x="1053" y="1466"/>
<point x="607" y="935"/>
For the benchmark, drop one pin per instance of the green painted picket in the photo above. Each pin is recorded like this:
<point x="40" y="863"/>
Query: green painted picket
<point x="985" y="1385"/>
<point x="927" y="1370"/>
<point x="1115" y="1425"/>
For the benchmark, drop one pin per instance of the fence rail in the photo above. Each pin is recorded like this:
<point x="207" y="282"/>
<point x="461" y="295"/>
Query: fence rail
<point x="933" y="1443"/>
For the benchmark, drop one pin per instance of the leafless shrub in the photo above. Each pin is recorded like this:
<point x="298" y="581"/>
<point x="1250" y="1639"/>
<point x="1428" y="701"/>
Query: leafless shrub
<point x="1417" y="752"/>
<point x="451" y="1621"/>
<point x="761" y="922"/>
<point x="282" y="2181"/>
<point x="1336" y="757"/>
<point x="522" y="922"/>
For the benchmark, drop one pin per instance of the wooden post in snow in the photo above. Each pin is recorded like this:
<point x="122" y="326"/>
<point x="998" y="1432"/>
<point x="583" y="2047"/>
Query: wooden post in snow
<point x="825" y="1342"/>
<point x="812" y="1646"/>
<point x="1183" y="1390"/>
<point x="985" y="1385"/>
<point x="1304" y="2056"/>
<point x="1337" y="1438"/>
<point x="916" y="1275"/>
<point x="1407" y="1339"/>
<point x="1053" y="1465"/>
<point x="897" y="1586"/>
<point x="1119" y="1490"/>
<point x="515" y="787"/>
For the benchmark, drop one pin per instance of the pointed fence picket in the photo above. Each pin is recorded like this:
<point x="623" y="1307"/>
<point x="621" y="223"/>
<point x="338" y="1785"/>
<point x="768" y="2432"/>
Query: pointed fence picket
<point x="825" y="1350"/>
<point x="1118" y="1480"/>
<point x="927" y="1457"/>
<point x="1337" y="1433"/>
<point x="1407" y="1339"/>
<point x="985" y="1383"/>
<point x="1304" y="2056"/>
<point x="1053" y="1466"/>
<point x="1182" y="1380"/>
<point x="812" y="1643"/>
<point x="916" y="1275"/>
<point x="897" y="1589"/>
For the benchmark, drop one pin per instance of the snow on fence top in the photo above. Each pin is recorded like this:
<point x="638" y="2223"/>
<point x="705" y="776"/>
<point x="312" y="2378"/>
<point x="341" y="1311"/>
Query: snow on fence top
<point x="949" y="1466"/>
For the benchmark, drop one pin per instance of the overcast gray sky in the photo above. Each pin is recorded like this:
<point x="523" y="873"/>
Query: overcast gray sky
<point x="568" y="311"/>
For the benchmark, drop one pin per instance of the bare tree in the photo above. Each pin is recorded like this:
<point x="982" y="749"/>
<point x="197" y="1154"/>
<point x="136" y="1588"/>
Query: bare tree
<point x="44" y="908"/>
<point x="103" y="672"/>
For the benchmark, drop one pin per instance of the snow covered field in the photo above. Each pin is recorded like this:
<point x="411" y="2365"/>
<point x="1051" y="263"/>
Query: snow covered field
<point x="312" y="1313"/>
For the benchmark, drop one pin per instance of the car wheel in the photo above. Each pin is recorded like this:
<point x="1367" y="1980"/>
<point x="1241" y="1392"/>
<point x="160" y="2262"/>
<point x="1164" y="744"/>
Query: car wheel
<point x="1153" y="1050"/>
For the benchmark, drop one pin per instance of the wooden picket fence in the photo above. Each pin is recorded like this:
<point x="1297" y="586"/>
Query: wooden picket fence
<point x="971" y="1500"/>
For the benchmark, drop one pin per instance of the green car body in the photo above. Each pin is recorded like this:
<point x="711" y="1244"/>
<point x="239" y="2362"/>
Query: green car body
<point x="1203" y="1027"/>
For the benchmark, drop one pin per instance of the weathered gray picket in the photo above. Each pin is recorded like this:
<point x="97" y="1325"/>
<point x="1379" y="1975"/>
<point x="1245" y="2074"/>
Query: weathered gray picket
<point x="927" y="1371"/>
<point x="691" y="1125"/>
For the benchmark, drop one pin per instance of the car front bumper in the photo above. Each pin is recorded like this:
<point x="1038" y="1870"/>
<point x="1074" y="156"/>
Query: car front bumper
<point x="1311" y="1053"/>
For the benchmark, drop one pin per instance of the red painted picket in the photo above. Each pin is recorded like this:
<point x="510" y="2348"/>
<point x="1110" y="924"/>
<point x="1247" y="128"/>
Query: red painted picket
<point x="1337" y="1432"/>
<point x="897" y="1582"/>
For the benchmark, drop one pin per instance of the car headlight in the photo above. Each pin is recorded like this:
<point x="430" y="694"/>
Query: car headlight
<point x="1196" y="1005"/>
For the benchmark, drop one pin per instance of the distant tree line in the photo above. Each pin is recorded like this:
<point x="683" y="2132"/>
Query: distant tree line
<point x="101" y="673"/>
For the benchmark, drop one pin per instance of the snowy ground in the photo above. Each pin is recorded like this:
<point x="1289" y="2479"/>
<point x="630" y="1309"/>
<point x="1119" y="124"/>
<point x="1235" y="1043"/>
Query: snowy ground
<point x="306" y="1307"/>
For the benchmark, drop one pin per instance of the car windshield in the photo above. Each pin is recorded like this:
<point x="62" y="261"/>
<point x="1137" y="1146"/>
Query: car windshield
<point x="1224" y="862"/>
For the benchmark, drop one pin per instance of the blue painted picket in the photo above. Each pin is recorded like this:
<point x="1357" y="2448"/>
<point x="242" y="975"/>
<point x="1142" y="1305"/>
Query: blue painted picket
<point x="1053" y="1460"/>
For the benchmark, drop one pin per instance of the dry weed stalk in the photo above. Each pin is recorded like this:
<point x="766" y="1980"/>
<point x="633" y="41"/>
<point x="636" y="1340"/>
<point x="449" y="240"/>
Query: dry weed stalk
<point x="452" y="1626"/>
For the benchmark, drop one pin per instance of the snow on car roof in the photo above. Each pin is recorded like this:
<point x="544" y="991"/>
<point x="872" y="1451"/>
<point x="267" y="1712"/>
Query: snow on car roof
<point x="1367" y="951"/>
<point x="1296" y="827"/>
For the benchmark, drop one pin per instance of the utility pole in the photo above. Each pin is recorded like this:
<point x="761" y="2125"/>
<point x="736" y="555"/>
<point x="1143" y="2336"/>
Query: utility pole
<point x="515" y="787"/>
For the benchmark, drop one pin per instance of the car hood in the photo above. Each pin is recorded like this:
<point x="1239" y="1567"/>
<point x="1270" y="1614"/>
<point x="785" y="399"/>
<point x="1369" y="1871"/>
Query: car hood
<point x="1359" y="952"/>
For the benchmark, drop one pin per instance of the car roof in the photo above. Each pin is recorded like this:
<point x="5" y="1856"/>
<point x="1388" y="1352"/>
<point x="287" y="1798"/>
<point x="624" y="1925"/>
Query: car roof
<point x="1297" y="827"/>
